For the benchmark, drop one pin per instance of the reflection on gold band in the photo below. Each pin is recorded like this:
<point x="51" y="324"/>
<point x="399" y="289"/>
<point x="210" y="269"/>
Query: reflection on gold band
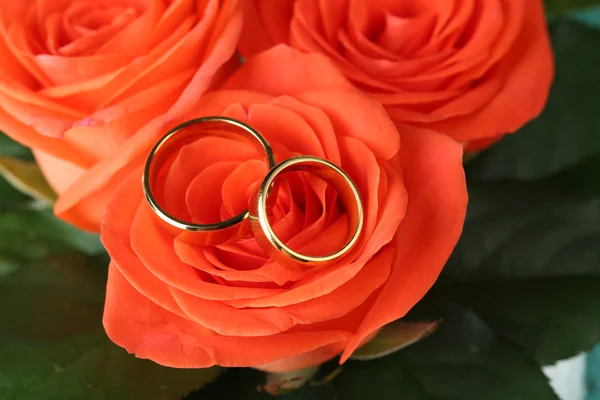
<point x="333" y="175"/>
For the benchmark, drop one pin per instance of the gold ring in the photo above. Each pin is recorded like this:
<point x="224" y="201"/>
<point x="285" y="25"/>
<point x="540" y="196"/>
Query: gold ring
<point x="329" y="172"/>
<point x="164" y="150"/>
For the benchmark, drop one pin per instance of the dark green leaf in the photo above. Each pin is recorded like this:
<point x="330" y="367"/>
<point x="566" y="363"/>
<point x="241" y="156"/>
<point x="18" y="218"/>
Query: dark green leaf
<point x="247" y="384"/>
<point x="528" y="263"/>
<point x="583" y="179"/>
<point x="394" y="337"/>
<point x="30" y="234"/>
<point x="562" y="6"/>
<point x="567" y="131"/>
<point x="463" y="360"/>
<point x="53" y="346"/>
<point x="87" y="243"/>
<point x="10" y="198"/>
<point x="9" y="147"/>
<point x="526" y="230"/>
<point x="108" y="372"/>
<point x="552" y="318"/>
<point x="27" y="229"/>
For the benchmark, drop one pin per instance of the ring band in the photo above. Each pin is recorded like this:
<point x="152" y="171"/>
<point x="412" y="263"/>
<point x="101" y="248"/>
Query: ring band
<point x="164" y="150"/>
<point x="332" y="174"/>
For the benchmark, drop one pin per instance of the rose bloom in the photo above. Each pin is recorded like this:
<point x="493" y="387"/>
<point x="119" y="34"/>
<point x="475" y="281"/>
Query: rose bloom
<point x="79" y="77"/>
<point x="192" y="306"/>
<point x="471" y="69"/>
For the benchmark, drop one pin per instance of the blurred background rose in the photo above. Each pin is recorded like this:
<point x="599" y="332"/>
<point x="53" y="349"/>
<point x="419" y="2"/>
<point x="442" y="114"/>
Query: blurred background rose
<point x="471" y="69"/>
<point x="78" y="78"/>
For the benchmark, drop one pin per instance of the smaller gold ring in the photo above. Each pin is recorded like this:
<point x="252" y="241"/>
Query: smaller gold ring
<point x="167" y="147"/>
<point x="333" y="175"/>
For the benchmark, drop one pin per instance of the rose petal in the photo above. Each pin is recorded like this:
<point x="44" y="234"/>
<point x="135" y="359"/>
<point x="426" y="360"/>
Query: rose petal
<point x="285" y="71"/>
<point x="258" y="35"/>
<point x="203" y="196"/>
<point x="227" y="31"/>
<point x="59" y="173"/>
<point x="206" y="260"/>
<point x="150" y="331"/>
<point x="136" y="34"/>
<point x="427" y="235"/>
<point x="154" y="248"/>
<point x="218" y="317"/>
<point x="370" y="123"/>
<point x="530" y="68"/>
<point x="247" y="175"/>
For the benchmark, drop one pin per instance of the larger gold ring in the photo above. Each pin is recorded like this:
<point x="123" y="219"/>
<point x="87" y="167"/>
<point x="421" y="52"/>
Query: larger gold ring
<point x="164" y="150"/>
<point x="333" y="175"/>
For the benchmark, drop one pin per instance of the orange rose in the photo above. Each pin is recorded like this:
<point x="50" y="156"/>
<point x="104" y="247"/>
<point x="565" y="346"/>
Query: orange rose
<point x="195" y="306"/>
<point x="470" y="69"/>
<point x="78" y="77"/>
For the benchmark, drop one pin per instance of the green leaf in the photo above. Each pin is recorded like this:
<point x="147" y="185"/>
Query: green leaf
<point x="9" y="147"/>
<point x="463" y="360"/>
<point x="27" y="177"/>
<point x="528" y="263"/>
<point x="23" y="237"/>
<point x="567" y="131"/>
<point x="87" y="243"/>
<point x="394" y="337"/>
<point x="562" y="6"/>
<point x="552" y="318"/>
<point x="582" y="179"/>
<point x="108" y="372"/>
<point x="27" y="229"/>
<point x="517" y="230"/>
<point x="53" y="346"/>
<point x="248" y="384"/>
<point x="10" y="198"/>
<point x="31" y="234"/>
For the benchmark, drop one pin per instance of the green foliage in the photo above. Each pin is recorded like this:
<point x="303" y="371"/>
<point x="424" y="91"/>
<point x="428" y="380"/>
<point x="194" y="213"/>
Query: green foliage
<point x="552" y="318"/>
<point x="31" y="234"/>
<point x="10" y="198"/>
<point x="563" y="6"/>
<point x="10" y="148"/>
<point x="528" y="264"/>
<point x="53" y="346"/>
<point x="516" y="230"/>
<point x="394" y="337"/>
<point x="28" y="229"/>
<point x="464" y="360"/>
<point x="247" y="384"/>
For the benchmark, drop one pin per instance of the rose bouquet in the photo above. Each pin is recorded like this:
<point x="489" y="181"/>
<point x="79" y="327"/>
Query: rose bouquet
<point x="437" y="235"/>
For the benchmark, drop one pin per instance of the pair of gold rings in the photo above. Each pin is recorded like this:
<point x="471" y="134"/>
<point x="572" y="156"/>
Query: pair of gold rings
<point x="255" y="219"/>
